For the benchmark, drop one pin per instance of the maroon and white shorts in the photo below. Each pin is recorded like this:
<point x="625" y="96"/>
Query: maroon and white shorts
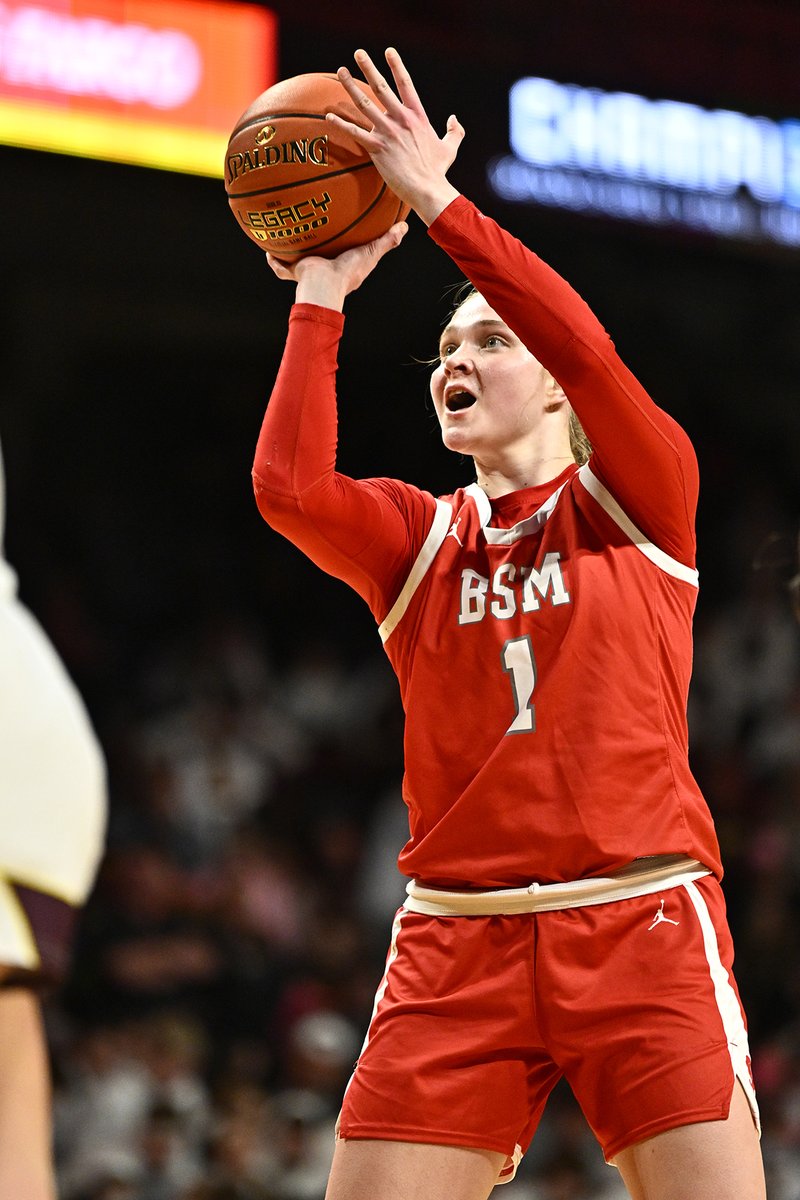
<point x="52" y="801"/>
<point x="477" y="1018"/>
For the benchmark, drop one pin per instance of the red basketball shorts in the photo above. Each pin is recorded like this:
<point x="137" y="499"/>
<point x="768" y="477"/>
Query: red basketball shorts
<point x="477" y="1018"/>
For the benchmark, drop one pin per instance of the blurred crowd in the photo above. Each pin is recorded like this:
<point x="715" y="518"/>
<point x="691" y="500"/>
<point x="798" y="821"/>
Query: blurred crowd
<point x="229" y="956"/>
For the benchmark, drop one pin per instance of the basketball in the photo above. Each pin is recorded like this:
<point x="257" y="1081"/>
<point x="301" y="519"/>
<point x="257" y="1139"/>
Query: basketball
<point x="295" y="184"/>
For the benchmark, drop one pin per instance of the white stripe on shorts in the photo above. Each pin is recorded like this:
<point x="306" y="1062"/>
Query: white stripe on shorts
<point x="727" y="1002"/>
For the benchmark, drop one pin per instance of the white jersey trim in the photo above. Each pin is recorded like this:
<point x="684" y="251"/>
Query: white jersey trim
<point x="658" y="557"/>
<point x="482" y="503"/>
<point x="642" y="877"/>
<point x="430" y="547"/>
<point x="507" y="537"/>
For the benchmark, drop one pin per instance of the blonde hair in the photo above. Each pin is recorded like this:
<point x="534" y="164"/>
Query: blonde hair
<point x="579" y="443"/>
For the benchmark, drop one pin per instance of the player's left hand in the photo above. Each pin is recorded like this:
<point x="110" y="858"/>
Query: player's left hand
<point x="402" y="143"/>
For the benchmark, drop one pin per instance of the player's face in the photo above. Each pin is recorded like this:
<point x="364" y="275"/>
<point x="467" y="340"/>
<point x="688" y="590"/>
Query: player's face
<point x="488" y="390"/>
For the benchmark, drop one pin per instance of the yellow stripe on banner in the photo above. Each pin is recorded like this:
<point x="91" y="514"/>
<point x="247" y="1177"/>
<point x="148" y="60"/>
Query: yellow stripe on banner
<point x="117" y="139"/>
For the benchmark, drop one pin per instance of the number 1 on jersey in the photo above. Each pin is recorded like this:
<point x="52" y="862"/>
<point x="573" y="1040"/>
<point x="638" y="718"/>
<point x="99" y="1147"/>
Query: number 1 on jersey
<point x="518" y="661"/>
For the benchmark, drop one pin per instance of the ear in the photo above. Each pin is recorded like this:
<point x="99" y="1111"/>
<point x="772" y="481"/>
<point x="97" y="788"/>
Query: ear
<point x="556" y="397"/>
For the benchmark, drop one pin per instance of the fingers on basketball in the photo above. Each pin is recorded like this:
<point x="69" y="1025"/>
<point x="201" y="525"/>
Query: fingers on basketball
<point x="299" y="183"/>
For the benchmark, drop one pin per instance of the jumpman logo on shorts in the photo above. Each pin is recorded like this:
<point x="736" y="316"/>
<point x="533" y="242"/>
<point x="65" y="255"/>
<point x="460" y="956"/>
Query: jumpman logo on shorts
<point x="453" y="532"/>
<point x="660" y="919"/>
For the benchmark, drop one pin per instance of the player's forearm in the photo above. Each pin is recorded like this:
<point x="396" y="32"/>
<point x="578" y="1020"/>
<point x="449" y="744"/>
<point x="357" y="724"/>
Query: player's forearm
<point x="646" y="459"/>
<point x="297" y="443"/>
<point x="298" y="490"/>
<point x="543" y="309"/>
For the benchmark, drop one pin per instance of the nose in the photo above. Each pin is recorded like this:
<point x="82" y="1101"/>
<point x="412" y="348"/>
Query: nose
<point x="459" y="361"/>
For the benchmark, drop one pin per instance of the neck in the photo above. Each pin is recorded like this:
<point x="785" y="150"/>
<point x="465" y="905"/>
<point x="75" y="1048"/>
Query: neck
<point x="499" y="480"/>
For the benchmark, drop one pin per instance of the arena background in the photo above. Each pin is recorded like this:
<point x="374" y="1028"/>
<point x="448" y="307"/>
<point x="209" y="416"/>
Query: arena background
<point x="229" y="954"/>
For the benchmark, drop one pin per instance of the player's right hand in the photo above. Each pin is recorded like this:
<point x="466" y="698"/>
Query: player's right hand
<point x="326" y="281"/>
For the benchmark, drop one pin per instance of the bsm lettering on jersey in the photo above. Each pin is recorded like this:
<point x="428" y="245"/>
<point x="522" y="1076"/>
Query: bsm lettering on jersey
<point x="511" y="588"/>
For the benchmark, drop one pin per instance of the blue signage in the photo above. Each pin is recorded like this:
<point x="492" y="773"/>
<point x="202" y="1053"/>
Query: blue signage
<point x="661" y="162"/>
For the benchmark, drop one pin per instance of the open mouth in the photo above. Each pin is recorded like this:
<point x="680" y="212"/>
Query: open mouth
<point x="457" y="401"/>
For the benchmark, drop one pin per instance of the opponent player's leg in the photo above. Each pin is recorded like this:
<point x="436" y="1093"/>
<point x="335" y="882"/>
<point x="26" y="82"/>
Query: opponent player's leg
<point x="25" y="1135"/>
<point x="715" y="1160"/>
<point x="364" y="1170"/>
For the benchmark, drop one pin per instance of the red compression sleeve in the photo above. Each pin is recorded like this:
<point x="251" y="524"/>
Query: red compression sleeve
<point x="640" y="453"/>
<point x="366" y="532"/>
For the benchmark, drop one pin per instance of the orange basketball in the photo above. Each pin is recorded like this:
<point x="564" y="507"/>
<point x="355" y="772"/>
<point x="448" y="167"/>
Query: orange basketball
<point x="298" y="186"/>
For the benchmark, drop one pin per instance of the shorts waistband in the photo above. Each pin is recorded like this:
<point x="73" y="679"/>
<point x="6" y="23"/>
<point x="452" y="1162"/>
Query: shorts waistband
<point x="642" y="877"/>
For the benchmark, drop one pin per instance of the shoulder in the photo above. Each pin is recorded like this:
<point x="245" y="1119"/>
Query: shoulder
<point x="405" y="497"/>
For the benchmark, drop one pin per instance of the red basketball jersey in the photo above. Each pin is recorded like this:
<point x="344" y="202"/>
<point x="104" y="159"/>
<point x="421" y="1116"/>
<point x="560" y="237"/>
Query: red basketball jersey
<point x="542" y="641"/>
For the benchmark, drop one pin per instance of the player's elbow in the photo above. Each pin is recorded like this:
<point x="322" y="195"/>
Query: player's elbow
<point x="273" y="504"/>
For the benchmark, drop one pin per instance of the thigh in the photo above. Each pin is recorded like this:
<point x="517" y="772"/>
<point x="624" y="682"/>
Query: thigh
<point x="718" y="1160"/>
<point x="645" y="1016"/>
<point x="25" y="1163"/>
<point x="363" y="1170"/>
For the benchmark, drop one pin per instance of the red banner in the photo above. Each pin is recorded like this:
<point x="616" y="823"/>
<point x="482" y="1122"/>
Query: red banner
<point x="154" y="82"/>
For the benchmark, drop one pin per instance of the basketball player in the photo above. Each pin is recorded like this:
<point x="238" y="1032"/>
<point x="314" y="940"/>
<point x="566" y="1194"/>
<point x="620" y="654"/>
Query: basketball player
<point x="564" y="915"/>
<point x="52" y="819"/>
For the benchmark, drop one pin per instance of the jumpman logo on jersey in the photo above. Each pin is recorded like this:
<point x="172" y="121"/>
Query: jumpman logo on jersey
<point x="453" y="532"/>
<point x="660" y="919"/>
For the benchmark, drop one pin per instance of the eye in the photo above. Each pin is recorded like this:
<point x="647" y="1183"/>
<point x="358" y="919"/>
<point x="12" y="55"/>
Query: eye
<point x="494" y="340"/>
<point x="447" y="349"/>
